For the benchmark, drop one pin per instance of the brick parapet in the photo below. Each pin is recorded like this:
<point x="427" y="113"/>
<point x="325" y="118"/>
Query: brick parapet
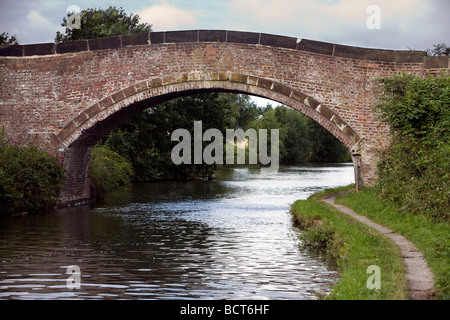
<point x="121" y="41"/>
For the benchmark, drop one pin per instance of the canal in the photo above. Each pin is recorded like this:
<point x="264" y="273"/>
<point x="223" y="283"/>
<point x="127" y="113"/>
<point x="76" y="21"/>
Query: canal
<point x="227" y="239"/>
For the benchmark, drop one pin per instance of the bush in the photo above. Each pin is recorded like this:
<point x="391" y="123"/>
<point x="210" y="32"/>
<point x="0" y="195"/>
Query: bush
<point x="30" y="179"/>
<point x="414" y="171"/>
<point x="108" y="170"/>
<point x="320" y="234"/>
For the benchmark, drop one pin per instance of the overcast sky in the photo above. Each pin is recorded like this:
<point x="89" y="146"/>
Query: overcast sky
<point x="404" y="24"/>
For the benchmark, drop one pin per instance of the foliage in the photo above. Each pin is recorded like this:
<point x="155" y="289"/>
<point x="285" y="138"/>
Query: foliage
<point x="108" y="170"/>
<point x="7" y="40"/>
<point x="97" y="23"/>
<point x="415" y="170"/>
<point x="301" y="138"/>
<point x="146" y="139"/>
<point x="30" y="179"/>
<point x="353" y="247"/>
<point x="440" y="49"/>
<point x="318" y="234"/>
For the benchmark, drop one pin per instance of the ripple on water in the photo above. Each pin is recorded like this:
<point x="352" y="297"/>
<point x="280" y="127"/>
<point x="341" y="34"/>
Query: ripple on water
<point x="230" y="239"/>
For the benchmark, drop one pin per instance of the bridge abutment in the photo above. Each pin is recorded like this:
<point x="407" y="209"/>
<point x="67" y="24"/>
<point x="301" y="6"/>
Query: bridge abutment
<point x="77" y="188"/>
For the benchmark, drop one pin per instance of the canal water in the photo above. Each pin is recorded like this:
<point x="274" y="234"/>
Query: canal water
<point x="227" y="239"/>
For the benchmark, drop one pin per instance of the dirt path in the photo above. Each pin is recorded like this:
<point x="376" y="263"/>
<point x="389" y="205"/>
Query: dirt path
<point x="418" y="274"/>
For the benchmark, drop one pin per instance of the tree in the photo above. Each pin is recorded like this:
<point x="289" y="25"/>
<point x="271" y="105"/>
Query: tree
<point x="301" y="138"/>
<point x="97" y="23"/>
<point x="7" y="40"/>
<point x="440" y="49"/>
<point x="146" y="138"/>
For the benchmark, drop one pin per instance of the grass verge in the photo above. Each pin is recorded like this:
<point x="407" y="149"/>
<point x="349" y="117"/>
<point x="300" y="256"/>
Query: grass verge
<point x="354" y="247"/>
<point x="430" y="237"/>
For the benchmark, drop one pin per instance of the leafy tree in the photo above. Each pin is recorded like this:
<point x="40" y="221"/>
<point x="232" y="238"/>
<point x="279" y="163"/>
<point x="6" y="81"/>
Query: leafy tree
<point x="146" y="138"/>
<point x="270" y="121"/>
<point x="97" y="23"/>
<point x="325" y="147"/>
<point x="301" y="138"/>
<point x="440" y="49"/>
<point x="7" y="40"/>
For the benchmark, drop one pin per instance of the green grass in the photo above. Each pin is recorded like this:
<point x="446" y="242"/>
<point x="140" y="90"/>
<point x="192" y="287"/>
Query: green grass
<point x="430" y="237"/>
<point x="354" y="247"/>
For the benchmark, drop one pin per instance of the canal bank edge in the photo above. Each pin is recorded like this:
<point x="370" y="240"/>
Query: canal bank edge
<point x="418" y="274"/>
<point x="419" y="277"/>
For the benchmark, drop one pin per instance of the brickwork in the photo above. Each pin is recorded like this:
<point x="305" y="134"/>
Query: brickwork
<point x="66" y="96"/>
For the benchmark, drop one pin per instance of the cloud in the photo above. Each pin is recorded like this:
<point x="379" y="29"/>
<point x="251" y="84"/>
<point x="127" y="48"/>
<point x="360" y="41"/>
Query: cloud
<point x="37" y="28"/>
<point x="168" y="17"/>
<point x="32" y="21"/>
<point x="404" y="23"/>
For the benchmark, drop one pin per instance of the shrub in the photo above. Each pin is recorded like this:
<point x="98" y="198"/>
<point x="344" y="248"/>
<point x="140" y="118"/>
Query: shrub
<point x="414" y="171"/>
<point x="30" y="179"/>
<point x="108" y="170"/>
<point x="320" y="234"/>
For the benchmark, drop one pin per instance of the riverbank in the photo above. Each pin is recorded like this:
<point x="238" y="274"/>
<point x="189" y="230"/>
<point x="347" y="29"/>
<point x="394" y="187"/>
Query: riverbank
<point x="354" y="246"/>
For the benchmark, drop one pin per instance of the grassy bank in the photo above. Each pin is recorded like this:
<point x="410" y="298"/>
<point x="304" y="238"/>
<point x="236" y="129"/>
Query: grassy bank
<point x="354" y="247"/>
<point x="430" y="237"/>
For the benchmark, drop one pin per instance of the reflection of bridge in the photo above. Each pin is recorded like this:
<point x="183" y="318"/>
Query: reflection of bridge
<point x="67" y="96"/>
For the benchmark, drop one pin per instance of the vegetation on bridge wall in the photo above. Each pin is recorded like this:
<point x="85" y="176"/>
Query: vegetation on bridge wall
<point x="415" y="169"/>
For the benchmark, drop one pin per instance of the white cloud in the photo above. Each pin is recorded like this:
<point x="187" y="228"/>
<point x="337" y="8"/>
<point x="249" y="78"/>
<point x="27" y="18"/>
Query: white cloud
<point x="168" y="17"/>
<point x="36" y="28"/>
<point x="342" y="21"/>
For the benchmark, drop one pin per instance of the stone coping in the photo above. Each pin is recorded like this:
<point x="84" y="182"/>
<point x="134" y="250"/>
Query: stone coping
<point x="186" y="36"/>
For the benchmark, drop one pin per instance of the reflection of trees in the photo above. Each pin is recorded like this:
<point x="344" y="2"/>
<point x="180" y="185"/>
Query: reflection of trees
<point x="137" y="242"/>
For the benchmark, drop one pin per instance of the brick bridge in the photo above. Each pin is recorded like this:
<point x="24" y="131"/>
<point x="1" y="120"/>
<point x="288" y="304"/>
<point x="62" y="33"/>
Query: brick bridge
<point x="65" y="97"/>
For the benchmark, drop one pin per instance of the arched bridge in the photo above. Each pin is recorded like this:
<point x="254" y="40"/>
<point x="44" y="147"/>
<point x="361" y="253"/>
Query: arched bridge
<point x="66" y="96"/>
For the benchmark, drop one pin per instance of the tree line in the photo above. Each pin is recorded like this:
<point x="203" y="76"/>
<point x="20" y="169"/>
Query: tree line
<point x="145" y="140"/>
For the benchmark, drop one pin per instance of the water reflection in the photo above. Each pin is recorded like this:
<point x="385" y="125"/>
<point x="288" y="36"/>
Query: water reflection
<point x="226" y="239"/>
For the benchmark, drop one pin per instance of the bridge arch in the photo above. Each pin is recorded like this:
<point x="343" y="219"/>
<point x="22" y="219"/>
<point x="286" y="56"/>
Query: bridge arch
<point x="150" y="92"/>
<point x="83" y="132"/>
